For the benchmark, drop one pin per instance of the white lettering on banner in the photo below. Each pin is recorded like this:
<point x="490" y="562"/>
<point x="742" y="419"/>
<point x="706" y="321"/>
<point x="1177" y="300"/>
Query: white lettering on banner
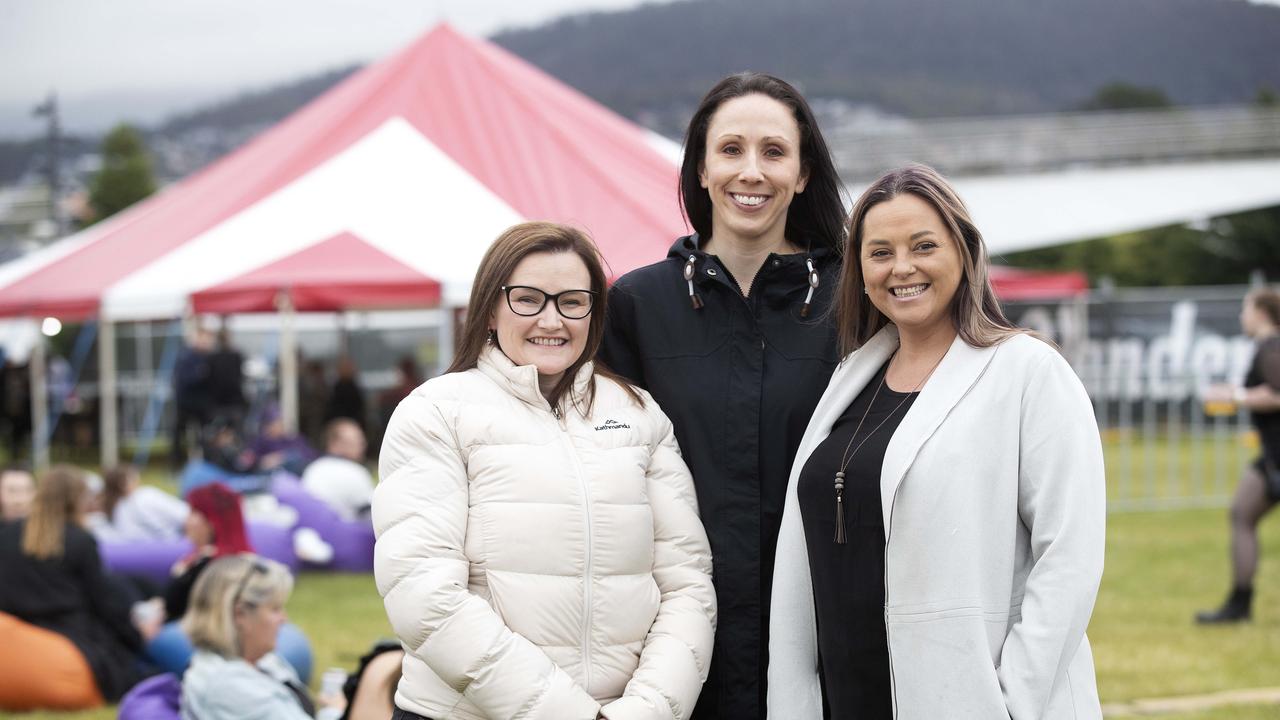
<point x="1174" y="366"/>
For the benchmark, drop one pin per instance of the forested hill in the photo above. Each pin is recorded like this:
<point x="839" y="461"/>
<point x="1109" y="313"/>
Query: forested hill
<point x="916" y="57"/>
<point x="921" y="58"/>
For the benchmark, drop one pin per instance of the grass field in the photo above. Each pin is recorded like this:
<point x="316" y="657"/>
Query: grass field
<point x="1161" y="567"/>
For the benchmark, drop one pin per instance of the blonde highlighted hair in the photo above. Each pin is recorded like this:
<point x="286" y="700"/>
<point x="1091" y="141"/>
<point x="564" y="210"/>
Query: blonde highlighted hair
<point x="227" y="583"/>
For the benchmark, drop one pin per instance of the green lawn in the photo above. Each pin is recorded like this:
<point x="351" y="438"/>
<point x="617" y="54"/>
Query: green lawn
<point x="1245" y="712"/>
<point x="341" y="614"/>
<point x="1161" y="567"/>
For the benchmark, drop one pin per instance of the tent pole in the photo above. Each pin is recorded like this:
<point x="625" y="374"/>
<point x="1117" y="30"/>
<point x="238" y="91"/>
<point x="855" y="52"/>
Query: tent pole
<point x="39" y="407"/>
<point x="288" y="363"/>
<point x="108" y="418"/>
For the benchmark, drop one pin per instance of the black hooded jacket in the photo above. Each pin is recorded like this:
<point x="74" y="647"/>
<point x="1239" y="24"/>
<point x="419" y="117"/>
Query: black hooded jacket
<point x="739" y="378"/>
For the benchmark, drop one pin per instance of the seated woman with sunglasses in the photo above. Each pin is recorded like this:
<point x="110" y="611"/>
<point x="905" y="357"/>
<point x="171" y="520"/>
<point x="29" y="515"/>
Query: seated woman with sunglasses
<point x="236" y="610"/>
<point x="539" y="550"/>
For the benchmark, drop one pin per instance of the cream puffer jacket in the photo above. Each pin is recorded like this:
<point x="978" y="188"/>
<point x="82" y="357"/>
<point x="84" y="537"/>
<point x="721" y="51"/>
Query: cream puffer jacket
<point x="539" y="564"/>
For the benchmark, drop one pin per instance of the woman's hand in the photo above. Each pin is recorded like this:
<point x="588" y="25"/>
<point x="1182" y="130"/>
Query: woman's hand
<point x="1219" y="393"/>
<point x="148" y="618"/>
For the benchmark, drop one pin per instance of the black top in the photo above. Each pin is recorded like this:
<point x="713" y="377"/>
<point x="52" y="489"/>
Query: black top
<point x="848" y="580"/>
<point x="1265" y="370"/>
<point x="72" y="596"/>
<point x="346" y="400"/>
<point x="739" y="378"/>
<point x="178" y="593"/>
<point x="226" y="379"/>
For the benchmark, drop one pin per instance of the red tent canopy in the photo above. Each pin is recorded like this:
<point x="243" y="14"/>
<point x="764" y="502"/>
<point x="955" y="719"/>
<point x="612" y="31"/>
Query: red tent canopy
<point x="426" y="156"/>
<point x="340" y="273"/>
<point x="1017" y="284"/>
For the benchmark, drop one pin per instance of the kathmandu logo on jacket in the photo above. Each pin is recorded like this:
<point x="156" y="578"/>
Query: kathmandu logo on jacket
<point x="612" y="424"/>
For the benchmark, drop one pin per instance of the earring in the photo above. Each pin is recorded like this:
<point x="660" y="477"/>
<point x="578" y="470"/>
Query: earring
<point x="492" y="338"/>
<point x="865" y="291"/>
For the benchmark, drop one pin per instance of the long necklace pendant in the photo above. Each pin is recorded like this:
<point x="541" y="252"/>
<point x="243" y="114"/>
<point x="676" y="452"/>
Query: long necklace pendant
<point x="840" y="537"/>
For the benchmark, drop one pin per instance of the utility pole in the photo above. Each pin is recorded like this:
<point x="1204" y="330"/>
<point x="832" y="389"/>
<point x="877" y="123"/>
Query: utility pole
<point x="53" y="160"/>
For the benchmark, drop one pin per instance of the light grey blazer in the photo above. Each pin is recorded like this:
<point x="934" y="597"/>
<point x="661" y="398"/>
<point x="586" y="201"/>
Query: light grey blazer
<point x="994" y="508"/>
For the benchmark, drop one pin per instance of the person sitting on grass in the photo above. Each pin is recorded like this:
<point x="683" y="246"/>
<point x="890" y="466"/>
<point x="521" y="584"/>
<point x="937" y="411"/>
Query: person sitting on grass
<point x="276" y="448"/>
<point x="53" y="578"/>
<point x="138" y="512"/>
<point x="215" y="527"/>
<point x="236" y="610"/>
<point x="340" y="478"/>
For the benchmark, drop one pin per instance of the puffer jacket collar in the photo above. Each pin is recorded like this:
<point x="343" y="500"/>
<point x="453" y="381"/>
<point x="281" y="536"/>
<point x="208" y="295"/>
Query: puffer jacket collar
<point x="522" y="380"/>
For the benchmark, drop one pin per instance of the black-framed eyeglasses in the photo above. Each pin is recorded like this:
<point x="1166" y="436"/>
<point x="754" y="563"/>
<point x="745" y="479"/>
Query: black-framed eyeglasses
<point x="529" y="301"/>
<point x="258" y="567"/>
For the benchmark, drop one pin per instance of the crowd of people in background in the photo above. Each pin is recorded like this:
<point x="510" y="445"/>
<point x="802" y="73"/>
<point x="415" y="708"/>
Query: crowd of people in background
<point x="58" y="588"/>
<point x="209" y="397"/>
<point x="228" y="447"/>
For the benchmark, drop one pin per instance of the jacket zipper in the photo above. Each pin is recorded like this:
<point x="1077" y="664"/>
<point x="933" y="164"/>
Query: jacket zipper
<point x="587" y="581"/>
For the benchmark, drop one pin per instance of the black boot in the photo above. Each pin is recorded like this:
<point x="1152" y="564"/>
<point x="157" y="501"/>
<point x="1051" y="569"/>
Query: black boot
<point x="1237" y="608"/>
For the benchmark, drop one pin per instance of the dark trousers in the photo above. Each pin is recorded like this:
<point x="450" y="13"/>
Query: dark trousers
<point x="183" y="419"/>
<point x="406" y="715"/>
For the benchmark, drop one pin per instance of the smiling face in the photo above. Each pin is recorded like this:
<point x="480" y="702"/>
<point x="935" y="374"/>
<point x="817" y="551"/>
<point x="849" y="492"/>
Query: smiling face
<point x="911" y="264"/>
<point x="547" y="340"/>
<point x="752" y="168"/>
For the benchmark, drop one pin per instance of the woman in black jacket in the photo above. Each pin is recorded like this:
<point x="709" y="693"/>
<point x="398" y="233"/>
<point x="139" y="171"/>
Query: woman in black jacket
<point x="730" y="334"/>
<point x="53" y="578"/>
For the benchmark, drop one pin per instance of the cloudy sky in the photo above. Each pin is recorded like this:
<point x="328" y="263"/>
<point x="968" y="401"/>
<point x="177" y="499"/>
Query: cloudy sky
<point x="147" y="58"/>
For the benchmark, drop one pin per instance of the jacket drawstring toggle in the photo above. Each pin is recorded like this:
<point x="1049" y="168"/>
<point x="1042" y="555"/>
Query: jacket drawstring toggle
<point x="813" y="285"/>
<point x="689" y="270"/>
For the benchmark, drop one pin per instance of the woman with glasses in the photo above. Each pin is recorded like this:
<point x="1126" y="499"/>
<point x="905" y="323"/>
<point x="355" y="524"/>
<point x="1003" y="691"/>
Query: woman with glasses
<point x="539" y="550"/>
<point x="237" y="608"/>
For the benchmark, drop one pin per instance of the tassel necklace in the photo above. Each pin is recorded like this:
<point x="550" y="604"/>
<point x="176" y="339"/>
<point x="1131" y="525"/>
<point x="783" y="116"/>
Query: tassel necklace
<point x="847" y="456"/>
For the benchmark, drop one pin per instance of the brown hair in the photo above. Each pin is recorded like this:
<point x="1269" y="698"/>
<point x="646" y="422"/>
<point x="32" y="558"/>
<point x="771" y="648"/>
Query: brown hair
<point x="974" y="309"/>
<point x="500" y="261"/>
<point x="57" y="502"/>
<point x="1267" y="301"/>
<point x="114" y="483"/>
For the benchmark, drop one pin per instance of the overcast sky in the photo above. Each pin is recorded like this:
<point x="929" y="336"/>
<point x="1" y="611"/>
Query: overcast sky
<point x="149" y="58"/>
<point x="143" y="60"/>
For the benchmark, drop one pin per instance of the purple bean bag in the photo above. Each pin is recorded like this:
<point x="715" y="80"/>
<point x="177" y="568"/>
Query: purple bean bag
<point x="154" y="560"/>
<point x="352" y="540"/>
<point x="156" y="698"/>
